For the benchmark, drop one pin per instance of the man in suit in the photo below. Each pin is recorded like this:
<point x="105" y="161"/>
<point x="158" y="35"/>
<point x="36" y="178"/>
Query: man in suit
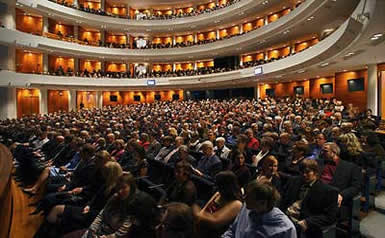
<point x="343" y="175"/>
<point x="310" y="203"/>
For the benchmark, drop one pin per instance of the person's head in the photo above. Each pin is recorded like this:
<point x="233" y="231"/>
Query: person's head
<point x="240" y="159"/>
<point x="126" y="186"/>
<point x="242" y="141"/>
<point x="330" y="151"/>
<point x="300" y="149"/>
<point x="250" y="133"/>
<point x="270" y="166"/>
<point x="267" y="143"/>
<point x="167" y="140"/>
<point x="351" y="143"/>
<point x="182" y="171"/>
<point x="310" y="170"/>
<point x="320" y="139"/>
<point x="261" y="197"/>
<point x="228" y="187"/>
<point x="284" y="138"/>
<point x="207" y="148"/>
<point x="110" y="138"/>
<point x="211" y="136"/>
<point x="111" y="173"/>
<point x="179" y="141"/>
<point x="177" y="221"/>
<point x="335" y="132"/>
<point x="119" y="144"/>
<point x="144" y="137"/>
<point x="87" y="152"/>
<point x="101" y="158"/>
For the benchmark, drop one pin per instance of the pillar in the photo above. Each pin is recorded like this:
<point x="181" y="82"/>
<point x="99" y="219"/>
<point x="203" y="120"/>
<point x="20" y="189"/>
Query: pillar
<point x="266" y="20"/>
<point x="45" y="63"/>
<point x="99" y="99"/>
<point x="196" y="38"/>
<point x="72" y="100"/>
<point x="240" y="28"/>
<point x="43" y="101"/>
<point x="103" y="4"/>
<point x="173" y="40"/>
<point x="195" y="66"/>
<point x="218" y="34"/>
<point x="75" y="3"/>
<point x="8" y="57"/>
<point x="257" y="92"/>
<point x="292" y="48"/>
<point x="7" y="103"/>
<point x="8" y="16"/>
<point x="45" y="24"/>
<point x="76" y="65"/>
<point x="372" y="92"/>
<point x="102" y="35"/>
<point x="76" y="32"/>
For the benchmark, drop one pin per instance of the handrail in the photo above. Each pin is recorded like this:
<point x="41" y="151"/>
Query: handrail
<point x="5" y="190"/>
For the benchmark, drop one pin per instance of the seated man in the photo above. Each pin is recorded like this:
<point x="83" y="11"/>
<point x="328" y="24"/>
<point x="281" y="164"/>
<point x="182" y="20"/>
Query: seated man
<point x="259" y="217"/>
<point x="309" y="202"/>
<point x="343" y="175"/>
<point x="209" y="165"/>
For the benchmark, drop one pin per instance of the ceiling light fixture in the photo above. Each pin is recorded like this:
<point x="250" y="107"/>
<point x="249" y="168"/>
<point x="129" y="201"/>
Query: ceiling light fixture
<point x="324" y="64"/>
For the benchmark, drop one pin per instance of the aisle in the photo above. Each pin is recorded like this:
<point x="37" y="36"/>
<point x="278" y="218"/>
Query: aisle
<point x="23" y="225"/>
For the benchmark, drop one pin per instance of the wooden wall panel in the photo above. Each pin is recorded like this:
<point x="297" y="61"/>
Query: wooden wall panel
<point x="259" y="23"/>
<point x="65" y="62"/>
<point x="89" y="65"/>
<point x="127" y="97"/>
<point x="120" y="39"/>
<point x="305" y="44"/>
<point x="315" y="87"/>
<point x="381" y="67"/>
<point x="88" y="98"/>
<point x="341" y="88"/>
<point x="55" y="27"/>
<point x="247" y="27"/>
<point x="382" y="80"/>
<point x="29" y="62"/>
<point x="108" y="102"/>
<point x="120" y="11"/>
<point x="116" y="67"/>
<point x="58" y="100"/>
<point x="93" y="4"/>
<point x="27" y="101"/>
<point x="285" y="89"/>
<point x="28" y="23"/>
<point x="91" y="36"/>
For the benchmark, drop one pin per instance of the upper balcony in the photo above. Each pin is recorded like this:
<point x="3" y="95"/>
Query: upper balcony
<point x="226" y="15"/>
<point x="308" y="18"/>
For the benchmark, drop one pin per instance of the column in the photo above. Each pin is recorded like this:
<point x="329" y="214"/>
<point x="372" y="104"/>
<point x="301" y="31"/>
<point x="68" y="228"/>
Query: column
<point x="72" y="100"/>
<point x="76" y="32"/>
<point x="8" y="17"/>
<point x="103" y="66"/>
<point x="7" y="103"/>
<point x="257" y="92"/>
<point x="75" y="3"/>
<point x="102" y="35"/>
<point x="173" y="40"/>
<point x="76" y="65"/>
<point x="195" y="66"/>
<point x="240" y="28"/>
<point x="99" y="99"/>
<point x="43" y="101"/>
<point x="45" y="24"/>
<point x="372" y="92"/>
<point x="103" y="4"/>
<point x="292" y="48"/>
<point x="45" y="62"/>
<point x="266" y="20"/>
<point x="173" y="67"/>
<point x="196" y="38"/>
<point x="218" y="34"/>
<point x="7" y="57"/>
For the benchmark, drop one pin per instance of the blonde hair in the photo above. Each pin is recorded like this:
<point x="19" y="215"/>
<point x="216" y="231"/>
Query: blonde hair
<point x="111" y="173"/>
<point x="352" y="143"/>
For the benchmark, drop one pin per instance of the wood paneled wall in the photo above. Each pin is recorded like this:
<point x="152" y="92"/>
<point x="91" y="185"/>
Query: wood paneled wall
<point x="116" y="67"/>
<point x="27" y="101"/>
<point x="93" y="4"/>
<point x="88" y="98"/>
<point x="112" y="38"/>
<point x="162" y="40"/>
<point x="185" y="39"/>
<point x="382" y="80"/>
<point x="55" y="27"/>
<point x="205" y="64"/>
<point x="120" y="11"/>
<point x="127" y="97"/>
<point x="162" y="67"/>
<point x="212" y="35"/>
<point x="315" y="87"/>
<point x="58" y="100"/>
<point x="29" y="62"/>
<point x="90" y="65"/>
<point x="91" y="36"/>
<point x="305" y="44"/>
<point x="285" y="89"/>
<point x="28" y="23"/>
<point x="65" y="62"/>
<point x="184" y="66"/>
<point x="341" y="88"/>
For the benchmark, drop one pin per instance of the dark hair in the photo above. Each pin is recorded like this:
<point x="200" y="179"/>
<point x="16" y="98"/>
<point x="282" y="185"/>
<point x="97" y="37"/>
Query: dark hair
<point x="264" y="191"/>
<point x="309" y="164"/>
<point x="87" y="151"/>
<point x="242" y="139"/>
<point x="228" y="186"/>
<point x="372" y="139"/>
<point x="179" y="221"/>
<point x="267" y="141"/>
<point x="129" y="179"/>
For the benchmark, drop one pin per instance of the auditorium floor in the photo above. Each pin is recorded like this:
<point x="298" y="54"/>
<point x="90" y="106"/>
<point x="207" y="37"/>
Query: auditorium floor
<point x="372" y="226"/>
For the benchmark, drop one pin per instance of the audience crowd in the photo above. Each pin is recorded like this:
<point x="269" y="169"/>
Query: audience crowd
<point x="151" y="16"/>
<point x="239" y="168"/>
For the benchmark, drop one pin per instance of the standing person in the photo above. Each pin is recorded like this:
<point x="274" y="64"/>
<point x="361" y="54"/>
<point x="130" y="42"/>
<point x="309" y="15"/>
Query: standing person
<point x="259" y="217"/>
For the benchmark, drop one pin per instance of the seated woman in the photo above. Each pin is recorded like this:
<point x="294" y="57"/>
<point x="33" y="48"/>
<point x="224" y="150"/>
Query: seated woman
<point x="119" y="149"/>
<point x="241" y="170"/>
<point x="301" y="149"/>
<point x="77" y="217"/>
<point x="183" y="189"/>
<point x="269" y="172"/>
<point x="220" y="211"/>
<point x="310" y="203"/>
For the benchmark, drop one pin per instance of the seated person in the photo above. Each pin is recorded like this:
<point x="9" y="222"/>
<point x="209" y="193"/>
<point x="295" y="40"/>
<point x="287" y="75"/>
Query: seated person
<point x="221" y="149"/>
<point x="222" y="208"/>
<point x="259" y="217"/>
<point x="209" y="165"/>
<point x="309" y="202"/>
<point x="343" y="175"/>
<point x="269" y="172"/>
<point x="183" y="189"/>
<point x="241" y="170"/>
<point x="177" y="222"/>
<point x="300" y="151"/>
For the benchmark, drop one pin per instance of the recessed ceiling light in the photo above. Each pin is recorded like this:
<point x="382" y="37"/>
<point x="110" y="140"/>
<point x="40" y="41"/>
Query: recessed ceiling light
<point x="301" y="71"/>
<point x="378" y="35"/>
<point x="324" y="64"/>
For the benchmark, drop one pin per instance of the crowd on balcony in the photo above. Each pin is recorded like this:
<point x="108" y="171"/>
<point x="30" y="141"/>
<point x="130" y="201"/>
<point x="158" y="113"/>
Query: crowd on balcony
<point x="142" y="16"/>
<point x="166" y="168"/>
